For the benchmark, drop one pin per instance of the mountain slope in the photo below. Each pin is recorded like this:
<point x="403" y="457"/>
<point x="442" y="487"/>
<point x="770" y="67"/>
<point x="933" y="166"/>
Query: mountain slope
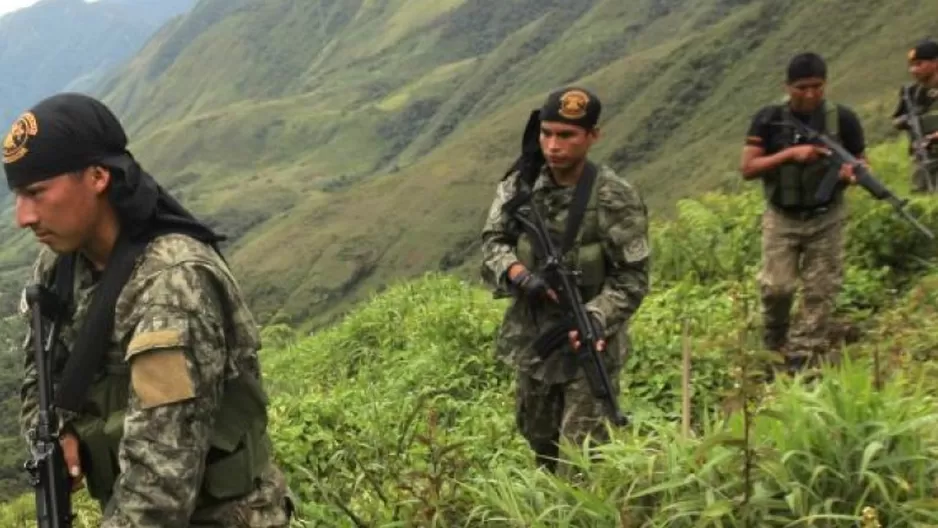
<point x="347" y="143"/>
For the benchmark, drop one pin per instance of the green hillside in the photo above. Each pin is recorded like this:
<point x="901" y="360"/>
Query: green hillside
<point x="347" y="144"/>
<point x="400" y="416"/>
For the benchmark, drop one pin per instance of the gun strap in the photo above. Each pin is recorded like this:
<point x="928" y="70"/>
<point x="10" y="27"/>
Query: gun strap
<point x="581" y="198"/>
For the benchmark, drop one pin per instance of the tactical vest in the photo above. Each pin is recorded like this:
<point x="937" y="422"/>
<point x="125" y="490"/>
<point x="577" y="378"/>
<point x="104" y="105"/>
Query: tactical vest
<point x="239" y="449"/>
<point x="928" y="116"/>
<point x="586" y="253"/>
<point x="793" y="185"/>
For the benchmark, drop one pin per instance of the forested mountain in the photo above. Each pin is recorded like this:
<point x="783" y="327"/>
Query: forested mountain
<point x="346" y="144"/>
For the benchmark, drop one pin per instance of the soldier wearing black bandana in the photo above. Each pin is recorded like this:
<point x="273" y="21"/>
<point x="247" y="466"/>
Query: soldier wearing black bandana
<point x="157" y="385"/>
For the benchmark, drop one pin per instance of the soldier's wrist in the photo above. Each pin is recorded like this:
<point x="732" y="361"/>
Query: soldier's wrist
<point x="514" y="270"/>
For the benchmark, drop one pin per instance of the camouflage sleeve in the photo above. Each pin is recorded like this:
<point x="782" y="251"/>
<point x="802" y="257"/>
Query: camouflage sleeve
<point x="499" y="236"/>
<point x="177" y="358"/>
<point x="623" y="222"/>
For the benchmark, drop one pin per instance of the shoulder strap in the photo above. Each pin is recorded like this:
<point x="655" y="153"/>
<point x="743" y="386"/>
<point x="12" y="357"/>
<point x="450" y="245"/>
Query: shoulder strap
<point x="95" y="333"/>
<point x="583" y="191"/>
<point x="832" y="119"/>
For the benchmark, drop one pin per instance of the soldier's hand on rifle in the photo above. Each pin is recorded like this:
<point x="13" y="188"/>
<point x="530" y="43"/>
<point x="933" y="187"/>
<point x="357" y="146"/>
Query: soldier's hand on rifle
<point x="530" y="284"/>
<point x="931" y="137"/>
<point x="847" y="173"/>
<point x="69" y="443"/>
<point x="806" y="153"/>
<point x="574" y="337"/>
<point x="901" y="122"/>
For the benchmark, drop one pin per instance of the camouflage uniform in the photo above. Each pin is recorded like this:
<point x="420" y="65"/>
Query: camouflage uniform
<point x="925" y="175"/>
<point x="553" y="399"/>
<point x="180" y="391"/>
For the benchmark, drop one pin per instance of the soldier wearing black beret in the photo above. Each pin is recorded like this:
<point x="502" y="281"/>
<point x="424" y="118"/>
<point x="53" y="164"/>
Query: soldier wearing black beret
<point x="610" y="249"/>
<point x="922" y="94"/>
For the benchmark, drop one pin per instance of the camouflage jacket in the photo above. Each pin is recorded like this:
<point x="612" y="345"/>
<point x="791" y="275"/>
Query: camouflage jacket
<point x="181" y="331"/>
<point x="623" y="237"/>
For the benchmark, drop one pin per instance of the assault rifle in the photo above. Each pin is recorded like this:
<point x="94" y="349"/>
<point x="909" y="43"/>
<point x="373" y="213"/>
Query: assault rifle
<point x="919" y="142"/>
<point x="560" y="278"/>
<point x="47" y="471"/>
<point x="864" y="177"/>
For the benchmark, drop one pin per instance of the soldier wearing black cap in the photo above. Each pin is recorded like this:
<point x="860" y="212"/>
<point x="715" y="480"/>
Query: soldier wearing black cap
<point x="161" y="410"/>
<point x="923" y="66"/>
<point x="801" y="237"/>
<point x="609" y="246"/>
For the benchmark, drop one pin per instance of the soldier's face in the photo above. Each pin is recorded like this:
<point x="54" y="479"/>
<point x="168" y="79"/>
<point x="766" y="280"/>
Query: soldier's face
<point x="564" y="146"/>
<point x="63" y="211"/>
<point x="805" y="95"/>
<point x="923" y="70"/>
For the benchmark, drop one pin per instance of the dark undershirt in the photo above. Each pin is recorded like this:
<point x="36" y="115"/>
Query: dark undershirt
<point x="773" y="138"/>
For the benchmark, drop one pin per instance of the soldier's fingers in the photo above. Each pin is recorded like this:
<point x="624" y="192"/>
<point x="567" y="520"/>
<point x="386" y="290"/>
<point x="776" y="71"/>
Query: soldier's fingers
<point x="601" y="345"/>
<point x="69" y="443"/>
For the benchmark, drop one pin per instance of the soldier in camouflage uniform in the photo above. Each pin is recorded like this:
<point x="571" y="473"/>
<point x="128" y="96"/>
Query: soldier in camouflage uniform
<point x="170" y="428"/>
<point x="611" y="250"/>
<point x="800" y="236"/>
<point x="923" y="66"/>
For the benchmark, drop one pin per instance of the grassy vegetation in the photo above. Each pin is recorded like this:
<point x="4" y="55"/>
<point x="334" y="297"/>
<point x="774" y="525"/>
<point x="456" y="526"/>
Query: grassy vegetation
<point x="399" y="415"/>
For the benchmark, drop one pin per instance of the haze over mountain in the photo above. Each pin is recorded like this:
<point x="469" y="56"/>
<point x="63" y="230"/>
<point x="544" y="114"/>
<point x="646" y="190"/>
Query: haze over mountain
<point x="346" y="144"/>
<point x="58" y="45"/>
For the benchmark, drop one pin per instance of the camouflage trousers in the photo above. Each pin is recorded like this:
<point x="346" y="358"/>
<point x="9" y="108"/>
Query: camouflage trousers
<point x="549" y="413"/>
<point x="924" y="179"/>
<point x="271" y="505"/>
<point x="811" y="249"/>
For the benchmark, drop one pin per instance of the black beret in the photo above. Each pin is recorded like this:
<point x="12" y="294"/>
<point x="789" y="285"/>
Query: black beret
<point x="62" y="133"/>
<point x="925" y="50"/>
<point x="572" y="105"/>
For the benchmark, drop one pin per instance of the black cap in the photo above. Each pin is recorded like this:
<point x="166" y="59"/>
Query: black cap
<point x="572" y="105"/>
<point x="62" y="133"/>
<point x="925" y="50"/>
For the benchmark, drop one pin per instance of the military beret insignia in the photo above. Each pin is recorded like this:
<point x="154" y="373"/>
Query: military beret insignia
<point x="15" y="142"/>
<point x="573" y="104"/>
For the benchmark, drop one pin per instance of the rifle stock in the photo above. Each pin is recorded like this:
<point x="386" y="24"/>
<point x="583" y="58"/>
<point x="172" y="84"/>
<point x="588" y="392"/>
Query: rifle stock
<point x="46" y="468"/>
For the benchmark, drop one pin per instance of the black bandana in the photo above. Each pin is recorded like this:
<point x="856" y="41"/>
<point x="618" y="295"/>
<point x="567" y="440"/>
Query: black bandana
<point x="574" y="106"/>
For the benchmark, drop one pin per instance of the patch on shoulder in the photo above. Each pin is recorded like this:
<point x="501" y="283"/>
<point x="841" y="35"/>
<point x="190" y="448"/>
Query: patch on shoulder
<point x="161" y="377"/>
<point x="637" y="250"/>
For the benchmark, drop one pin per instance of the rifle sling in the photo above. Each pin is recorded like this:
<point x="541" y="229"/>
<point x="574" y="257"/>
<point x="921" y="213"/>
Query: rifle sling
<point x="556" y="335"/>
<point x="93" y="337"/>
<point x="581" y="198"/>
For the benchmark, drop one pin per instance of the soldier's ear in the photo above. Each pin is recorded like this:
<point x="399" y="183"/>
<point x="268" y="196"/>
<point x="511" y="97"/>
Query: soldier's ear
<point x="594" y="134"/>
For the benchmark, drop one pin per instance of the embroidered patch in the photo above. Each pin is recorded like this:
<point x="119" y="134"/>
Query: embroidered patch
<point x="573" y="104"/>
<point x="161" y="377"/>
<point x="15" y="143"/>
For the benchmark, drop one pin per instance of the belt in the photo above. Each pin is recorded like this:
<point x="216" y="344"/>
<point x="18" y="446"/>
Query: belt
<point x="804" y="214"/>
